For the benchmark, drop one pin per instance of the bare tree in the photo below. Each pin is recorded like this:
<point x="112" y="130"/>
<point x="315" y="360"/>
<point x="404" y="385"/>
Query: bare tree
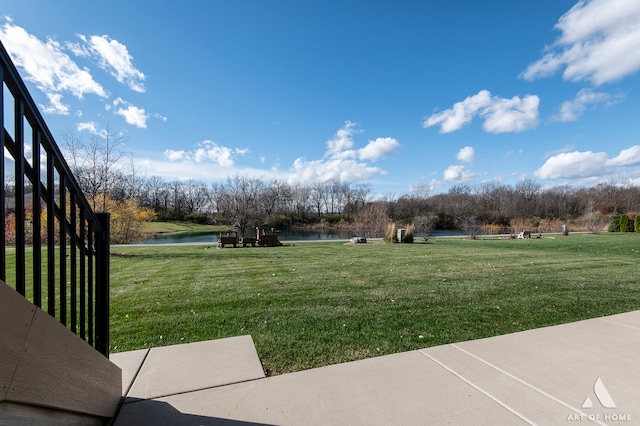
<point x="97" y="164"/>
<point x="471" y="226"/>
<point x="274" y="197"/>
<point x="240" y="197"/>
<point x="335" y="195"/>
<point x="528" y="193"/>
<point x="424" y="225"/>
<point x="153" y="189"/>
<point x="356" y="197"/>
<point x="318" y="196"/>
<point x="195" y="195"/>
<point x="299" y="202"/>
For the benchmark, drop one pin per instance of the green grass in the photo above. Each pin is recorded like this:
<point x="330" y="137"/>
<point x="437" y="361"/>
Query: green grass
<point x="314" y="304"/>
<point x="175" y="226"/>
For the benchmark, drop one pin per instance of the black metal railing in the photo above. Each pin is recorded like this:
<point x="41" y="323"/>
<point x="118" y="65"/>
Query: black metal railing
<point x="56" y="249"/>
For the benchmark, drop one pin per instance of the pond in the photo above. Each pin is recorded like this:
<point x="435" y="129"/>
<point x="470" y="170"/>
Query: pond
<point x="283" y="235"/>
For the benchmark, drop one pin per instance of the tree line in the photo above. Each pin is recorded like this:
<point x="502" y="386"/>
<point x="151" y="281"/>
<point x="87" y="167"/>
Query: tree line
<point x="243" y="202"/>
<point x="109" y="179"/>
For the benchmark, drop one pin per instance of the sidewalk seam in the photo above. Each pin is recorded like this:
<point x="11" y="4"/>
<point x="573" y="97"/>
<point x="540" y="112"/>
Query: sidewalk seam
<point x="529" y="385"/>
<point x="195" y="390"/>
<point x="482" y="391"/>
<point x="619" y="323"/>
<point x="135" y="376"/>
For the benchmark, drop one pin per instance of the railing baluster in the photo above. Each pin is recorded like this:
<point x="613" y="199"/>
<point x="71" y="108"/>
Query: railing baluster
<point x="83" y="282"/>
<point x="51" y="237"/>
<point x="19" y="195"/>
<point x="90" y="284"/>
<point x="72" y="262"/>
<point x="62" y="234"/>
<point x="37" y="223"/>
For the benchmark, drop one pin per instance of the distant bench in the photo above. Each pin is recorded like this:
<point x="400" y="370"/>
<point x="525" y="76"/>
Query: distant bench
<point x="524" y="234"/>
<point x="228" y="237"/>
<point x="248" y="240"/>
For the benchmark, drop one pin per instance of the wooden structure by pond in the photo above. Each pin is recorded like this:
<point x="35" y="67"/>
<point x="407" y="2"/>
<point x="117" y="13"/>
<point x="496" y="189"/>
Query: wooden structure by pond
<point x="268" y="240"/>
<point x="262" y="238"/>
<point x="228" y="237"/>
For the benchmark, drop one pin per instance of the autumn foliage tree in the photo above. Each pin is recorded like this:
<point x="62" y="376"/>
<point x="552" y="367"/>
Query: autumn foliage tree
<point x="128" y="219"/>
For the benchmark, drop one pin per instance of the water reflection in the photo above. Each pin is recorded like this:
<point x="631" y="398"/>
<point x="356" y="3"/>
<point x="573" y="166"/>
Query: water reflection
<point x="283" y="235"/>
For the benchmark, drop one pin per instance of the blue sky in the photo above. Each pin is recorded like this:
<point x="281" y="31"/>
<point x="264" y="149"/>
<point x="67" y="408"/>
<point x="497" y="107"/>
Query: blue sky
<point x="403" y="95"/>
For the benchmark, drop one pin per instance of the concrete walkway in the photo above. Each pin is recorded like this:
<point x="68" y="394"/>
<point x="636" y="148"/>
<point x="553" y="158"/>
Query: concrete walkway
<point x="586" y="372"/>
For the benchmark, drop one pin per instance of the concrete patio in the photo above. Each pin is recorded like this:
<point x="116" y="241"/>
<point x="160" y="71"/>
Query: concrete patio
<point x="586" y="372"/>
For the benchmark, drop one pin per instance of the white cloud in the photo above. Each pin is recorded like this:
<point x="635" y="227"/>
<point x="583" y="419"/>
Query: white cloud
<point x="340" y="169"/>
<point x="511" y="115"/>
<point x="89" y="126"/>
<point x="457" y="173"/>
<point x="160" y="117"/>
<point x="461" y="114"/>
<point x="134" y="116"/>
<point x="500" y="115"/>
<point x="172" y="155"/>
<point x="113" y="57"/>
<point x="587" y="164"/>
<point x="212" y="152"/>
<point x="379" y="148"/>
<point x="207" y="152"/>
<point x="343" y="139"/>
<point x="56" y="106"/>
<point x="466" y="155"/>
<point x="571" y="110"/>
<point x="92" y="127"/>
<point x="599" y="42"/>
<point x="341" y="161"/>
<point x="453" y="173"/>
<point x="181" y="168"/>
<point x="627" y="157"/>
<point x="131" y="113"/>
<point x="48" y="67"/>
<point x="572" y="165"/>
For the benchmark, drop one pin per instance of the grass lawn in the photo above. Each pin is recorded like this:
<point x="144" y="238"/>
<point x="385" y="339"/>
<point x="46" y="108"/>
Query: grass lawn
<point x="174" y="226"/>
<point x="313" y="304"/>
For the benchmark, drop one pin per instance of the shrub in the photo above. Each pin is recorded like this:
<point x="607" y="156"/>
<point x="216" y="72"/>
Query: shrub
<point x="408" y="236"/>
<point x="390" y="235"/>
<point x="595" y="223"/>
<point x="472" y="226"/>
<point x="196" y="217"/>
<point x="632" y="222"/>
<point x="10" y="229"/>
<point x="614" y="223"/>
<point x="624" y="223"/>
<point x="636" y="223"/>
<point x="424" y="225"/>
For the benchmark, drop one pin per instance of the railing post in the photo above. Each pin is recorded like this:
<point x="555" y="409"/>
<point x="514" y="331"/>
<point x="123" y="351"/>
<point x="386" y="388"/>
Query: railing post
<point x="102" y="285"/>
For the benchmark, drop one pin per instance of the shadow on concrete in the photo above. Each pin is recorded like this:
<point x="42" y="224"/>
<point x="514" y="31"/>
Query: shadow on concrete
<point x="140" y="412"/>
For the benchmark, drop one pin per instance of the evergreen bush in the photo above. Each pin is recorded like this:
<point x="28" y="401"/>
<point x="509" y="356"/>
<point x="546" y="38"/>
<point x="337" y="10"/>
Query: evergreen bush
<point x="614" y="223"/>
<point x="624" y="223"/>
